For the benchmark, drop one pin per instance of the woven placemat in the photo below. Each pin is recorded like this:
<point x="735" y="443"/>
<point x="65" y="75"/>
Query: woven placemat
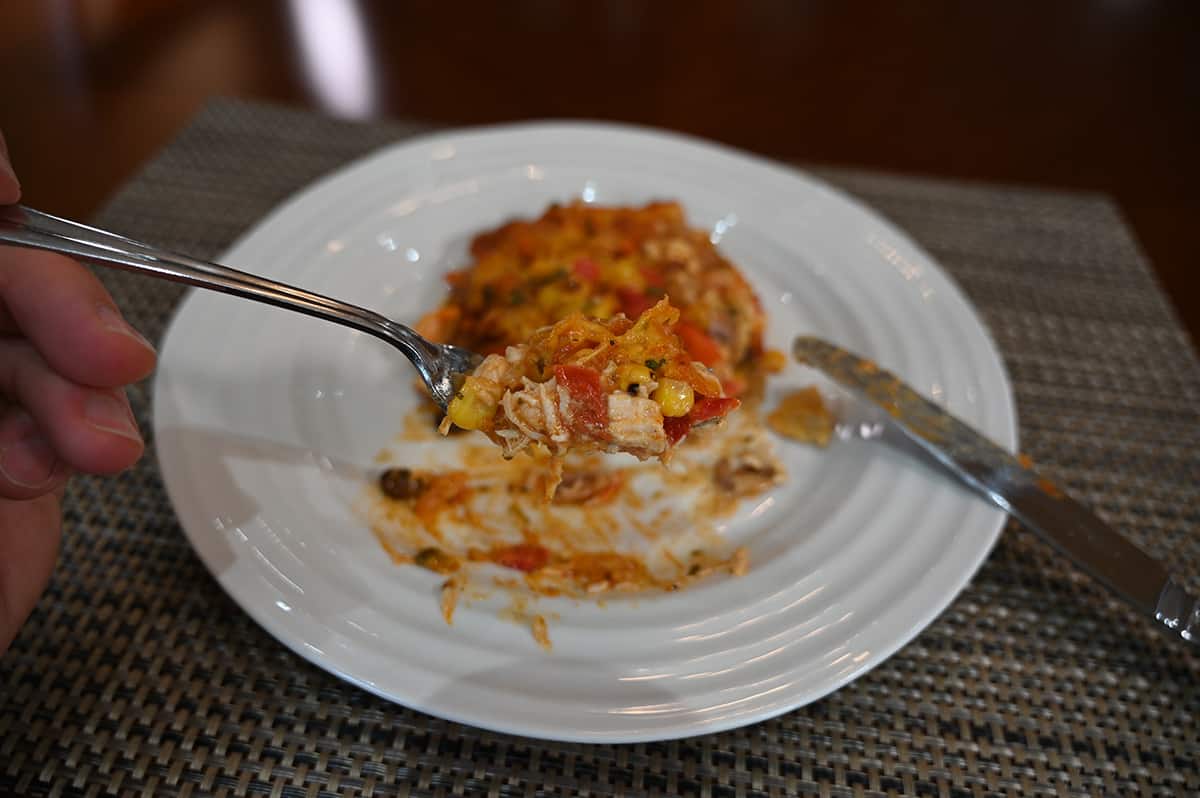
<point x="136" y="674"/>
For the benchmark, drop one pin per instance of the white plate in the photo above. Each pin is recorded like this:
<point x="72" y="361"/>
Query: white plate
<point x="267" y="421"/>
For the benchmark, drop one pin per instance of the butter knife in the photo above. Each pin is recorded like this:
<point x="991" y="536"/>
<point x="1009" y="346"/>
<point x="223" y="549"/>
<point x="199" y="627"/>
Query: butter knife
<point x="1012" y="483"/>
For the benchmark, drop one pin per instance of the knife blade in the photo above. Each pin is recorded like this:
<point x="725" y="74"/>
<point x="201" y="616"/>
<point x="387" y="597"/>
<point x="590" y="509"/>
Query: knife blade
<point x="1012" y="483"/>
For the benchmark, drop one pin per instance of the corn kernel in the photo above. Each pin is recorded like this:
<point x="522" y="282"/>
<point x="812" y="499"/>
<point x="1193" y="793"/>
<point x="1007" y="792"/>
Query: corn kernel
<point x="625" y="272"/>
<point x="633" y="374"/>
<point x="675" y="397"/>
<point x="471" y="408"/>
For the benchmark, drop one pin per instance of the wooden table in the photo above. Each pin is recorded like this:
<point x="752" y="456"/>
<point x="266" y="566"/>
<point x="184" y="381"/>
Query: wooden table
<point x="1098" y="96"/>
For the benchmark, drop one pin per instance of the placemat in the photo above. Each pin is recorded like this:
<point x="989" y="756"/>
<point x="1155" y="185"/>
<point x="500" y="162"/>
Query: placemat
<point x="136" y="674"/>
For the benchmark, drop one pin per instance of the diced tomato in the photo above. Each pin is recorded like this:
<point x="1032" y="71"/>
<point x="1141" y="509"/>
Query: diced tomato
<point x="707" y="408"/>
<point x="698" y="343"/>
<point x="586" y="269"/>
<point x="676" y="428"/>
<point x="634" y="303"/>
<point x="521" y="556"/>
<point x="589" y="406"/>
<point x="653" y="277"/>
<point x="734" y="386"/>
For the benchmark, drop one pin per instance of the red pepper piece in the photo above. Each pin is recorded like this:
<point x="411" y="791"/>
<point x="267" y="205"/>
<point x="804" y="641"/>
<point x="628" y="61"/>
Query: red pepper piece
<point x="589" y="405"/>
<point x="634" y="303"/>
<point x="698" y="343"/>
<point x="521" y="556"/>
<point x="586" y="270"/>
<point x="707" y="408"/>
<point x="676" y="428"/>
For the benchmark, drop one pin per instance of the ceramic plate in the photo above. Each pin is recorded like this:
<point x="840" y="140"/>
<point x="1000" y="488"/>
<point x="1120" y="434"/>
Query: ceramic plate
<point x="267" y="424"/>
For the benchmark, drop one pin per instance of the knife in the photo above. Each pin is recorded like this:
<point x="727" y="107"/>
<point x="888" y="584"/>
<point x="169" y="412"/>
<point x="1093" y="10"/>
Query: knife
<point x="1012" y="483"/>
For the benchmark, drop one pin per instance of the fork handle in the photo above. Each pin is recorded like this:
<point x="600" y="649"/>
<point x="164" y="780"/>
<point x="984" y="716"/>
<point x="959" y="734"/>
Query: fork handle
<point x="26" y="227"/>
<point x="30" y="228"/>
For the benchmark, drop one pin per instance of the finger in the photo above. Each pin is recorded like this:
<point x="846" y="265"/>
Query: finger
<point x="91" y="429"/>
<point x="29" y="465"/>
<point x="10" y="189"/>
<point x="30" y="532"/>
<point x="65" y="311"/>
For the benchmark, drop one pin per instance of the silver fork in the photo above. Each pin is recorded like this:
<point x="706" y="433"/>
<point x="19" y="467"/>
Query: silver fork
<point x="438" y="364"/>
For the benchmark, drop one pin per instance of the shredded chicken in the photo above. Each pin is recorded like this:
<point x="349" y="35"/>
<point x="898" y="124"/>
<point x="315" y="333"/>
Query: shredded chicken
<point x="534" y="412"/>
<point x="636" y="425"/>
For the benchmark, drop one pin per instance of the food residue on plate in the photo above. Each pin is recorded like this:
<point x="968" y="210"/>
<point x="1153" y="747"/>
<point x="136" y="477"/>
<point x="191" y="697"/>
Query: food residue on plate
<point x="612" y="529"/>
<point x="660" y="317"/>
<point x="803" y="416"/>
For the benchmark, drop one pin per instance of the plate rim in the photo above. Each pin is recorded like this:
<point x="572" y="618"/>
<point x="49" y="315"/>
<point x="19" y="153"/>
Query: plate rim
<point x="678" y="730"/>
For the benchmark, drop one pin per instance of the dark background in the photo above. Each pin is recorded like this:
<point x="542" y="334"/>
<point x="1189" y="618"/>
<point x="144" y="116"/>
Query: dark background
<point x="1098" y="96"/>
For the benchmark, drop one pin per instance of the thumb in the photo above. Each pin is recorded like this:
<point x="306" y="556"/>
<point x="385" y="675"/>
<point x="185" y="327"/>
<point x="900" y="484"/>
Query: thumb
<point x="10" y="189"/>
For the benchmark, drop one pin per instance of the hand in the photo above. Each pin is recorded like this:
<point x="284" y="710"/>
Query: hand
<point x="65" y="356"/>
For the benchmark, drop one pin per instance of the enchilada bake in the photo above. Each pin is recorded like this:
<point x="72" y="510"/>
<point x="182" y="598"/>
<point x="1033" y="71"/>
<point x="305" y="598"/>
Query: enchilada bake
<point x="604" y="329"/>
<point x="600" y="262"/>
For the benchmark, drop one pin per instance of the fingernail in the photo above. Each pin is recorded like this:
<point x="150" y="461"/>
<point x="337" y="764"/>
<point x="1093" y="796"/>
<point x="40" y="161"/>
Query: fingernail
<point x="112" y="320"/>
<point x="106" y="412"/>
<point x="29" y="462"/>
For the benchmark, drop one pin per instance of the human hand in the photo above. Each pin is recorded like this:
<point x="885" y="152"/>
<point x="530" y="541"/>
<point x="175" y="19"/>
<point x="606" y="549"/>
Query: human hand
<point x="65" y="356"/>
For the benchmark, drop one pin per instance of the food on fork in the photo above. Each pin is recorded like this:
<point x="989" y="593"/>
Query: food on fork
<point x="613" y="386"/>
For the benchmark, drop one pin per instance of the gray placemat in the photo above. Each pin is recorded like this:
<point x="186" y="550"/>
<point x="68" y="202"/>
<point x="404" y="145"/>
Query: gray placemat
<point x="137" y="675"/>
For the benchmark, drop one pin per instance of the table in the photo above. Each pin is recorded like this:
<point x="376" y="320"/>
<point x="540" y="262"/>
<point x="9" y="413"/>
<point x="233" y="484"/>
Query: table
<point x="136" y="675"/>
<point x="1082" y="94"/>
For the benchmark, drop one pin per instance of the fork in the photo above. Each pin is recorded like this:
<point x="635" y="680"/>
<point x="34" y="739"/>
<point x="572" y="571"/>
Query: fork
<point x="440" y="365"/>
